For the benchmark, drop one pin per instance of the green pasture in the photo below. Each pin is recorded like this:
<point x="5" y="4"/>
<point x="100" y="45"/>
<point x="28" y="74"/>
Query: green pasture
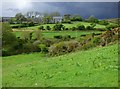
<point x="95" y="67"/>
<point x="51" y="34"/>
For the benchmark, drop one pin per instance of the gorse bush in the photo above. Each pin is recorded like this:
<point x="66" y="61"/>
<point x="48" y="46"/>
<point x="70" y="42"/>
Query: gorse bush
<point x="96" y="40"/>
<point x="63" y="47"/>
<point x="43" y="48"/>
<point x="87" y="46"/>
<point x="112" y="26"/>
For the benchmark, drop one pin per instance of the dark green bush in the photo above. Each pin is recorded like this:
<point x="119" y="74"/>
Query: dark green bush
<point x="76" y="18"/>
<point x="31" y="24"/>
<point x="58" y="37"/>
<point x="80" y="27"/>
<point x="28" y="48"/>
<point x="66" y="21"/>
<point x="48" y="28"/>
<point x="58" y="27"/>
<point x="103" y="22"/>
<point x="89" y="28"/>
<point x="73" y="28"/>
<point x="9" y="40"/>
<point x="41" y="28"/>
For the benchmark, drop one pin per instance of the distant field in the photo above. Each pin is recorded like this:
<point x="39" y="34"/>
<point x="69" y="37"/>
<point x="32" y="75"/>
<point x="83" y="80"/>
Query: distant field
<point x="51" y="34"/>
<point x="93" y="68"/>
<point x="66" y="25"/>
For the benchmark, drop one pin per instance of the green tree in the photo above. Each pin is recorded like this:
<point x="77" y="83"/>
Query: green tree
<point x="47" y="19"/>
<point x="12" y="20"/>
<point x="93" y="19"/>
<point x="76" y="18"/>
<point x="20" y="18"/>
<point x="9" y="40"/>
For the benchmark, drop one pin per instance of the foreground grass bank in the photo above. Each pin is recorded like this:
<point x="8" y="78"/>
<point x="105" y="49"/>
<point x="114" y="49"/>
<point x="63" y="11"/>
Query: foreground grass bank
<point x="93" y="68"/>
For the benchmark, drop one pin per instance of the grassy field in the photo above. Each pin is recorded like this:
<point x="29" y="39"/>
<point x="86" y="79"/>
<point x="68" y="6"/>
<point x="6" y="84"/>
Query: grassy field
<point x="66" y="25"/>
<point x="92" y="68"/>
<point x="51" y="34"/>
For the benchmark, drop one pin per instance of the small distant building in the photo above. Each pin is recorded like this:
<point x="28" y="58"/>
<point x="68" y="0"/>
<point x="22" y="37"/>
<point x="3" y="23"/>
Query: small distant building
<point x="57" y="19"/>
<point x="6" y="19"/>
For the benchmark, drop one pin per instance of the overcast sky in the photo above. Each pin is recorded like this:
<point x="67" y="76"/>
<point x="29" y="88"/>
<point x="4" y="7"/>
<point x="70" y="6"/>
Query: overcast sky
<point x="108" y="9"/>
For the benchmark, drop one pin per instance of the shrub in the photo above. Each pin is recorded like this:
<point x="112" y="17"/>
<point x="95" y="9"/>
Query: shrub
<point x="5" y="52"/>
<point x="89" y="28"/>
<point x="66" y="29"/>
<point x="38" y="35"/>
<point x="87" y="46"/>
<point x="93" y="19"/>
<point x="58" y="27"/>
<point x="72" y="46"/>
<point x="80" y="27"/>
<point x="48" y="28"/>
<point x="73" y="28"/>
<point x="31" y="24"/>
<point x="58" y="37"/>
<point x="66" y="21"/>
<point x="103" y="22"/>
<point x="66" y="37"/>
<point x="43" y="48"/>
<point x="112" y="26"/>
<point x="28" y="48"/>
<point x="48" y="42"/>
<point x="100" y="29"/>
<point x="16" y="26"/>
<point x="26" y="36"/>
<point x="96" y="40"/>
<point x="41" y="28"/>
<point x="76" y="18"/>
<point x="63" y="47"/>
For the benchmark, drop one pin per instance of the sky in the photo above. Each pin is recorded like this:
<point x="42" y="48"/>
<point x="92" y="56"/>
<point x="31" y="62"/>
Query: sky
<point x="101" y="10"/>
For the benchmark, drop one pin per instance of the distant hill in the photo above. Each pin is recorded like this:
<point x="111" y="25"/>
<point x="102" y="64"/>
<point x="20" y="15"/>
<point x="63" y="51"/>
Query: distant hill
<point x="113" y="20"/>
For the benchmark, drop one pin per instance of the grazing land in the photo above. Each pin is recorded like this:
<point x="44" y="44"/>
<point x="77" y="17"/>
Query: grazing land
<point x="51" y="34"/>
<point x="66" y="25"/>
<point x="95" y="67"/>
<point x="54" y="50"/>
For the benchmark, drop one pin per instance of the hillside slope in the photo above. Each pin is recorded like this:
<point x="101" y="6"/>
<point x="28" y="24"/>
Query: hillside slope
<point x="93" y="68"/>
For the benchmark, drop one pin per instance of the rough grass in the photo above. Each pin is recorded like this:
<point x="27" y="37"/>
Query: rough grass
<point x="93" y="68"/>
<point x="51" y="34"/>
<point x="73" y="24"/>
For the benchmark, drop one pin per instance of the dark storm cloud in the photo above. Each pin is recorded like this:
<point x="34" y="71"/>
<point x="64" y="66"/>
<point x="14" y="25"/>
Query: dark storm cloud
<point x="98" y="9"/>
